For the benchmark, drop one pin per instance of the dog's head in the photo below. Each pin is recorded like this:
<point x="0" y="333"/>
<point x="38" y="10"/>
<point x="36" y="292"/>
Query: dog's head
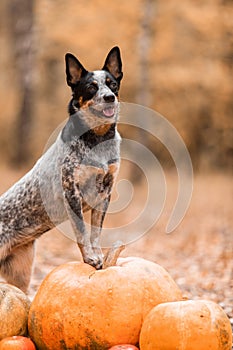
<point x="95" y="93"/>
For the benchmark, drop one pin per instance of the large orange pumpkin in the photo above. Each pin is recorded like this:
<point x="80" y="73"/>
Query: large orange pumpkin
<point x="186" y="325"/>
<point x="14" y="307"/>
<point x="80" y="307"/>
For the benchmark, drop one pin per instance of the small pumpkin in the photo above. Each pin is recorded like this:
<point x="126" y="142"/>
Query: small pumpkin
<point x="78" y="306"/>
<point x="123" y="347"/>
<point x="17" y="342"/>
<point x="14" y="307"/>
<point x="186" y="325"/>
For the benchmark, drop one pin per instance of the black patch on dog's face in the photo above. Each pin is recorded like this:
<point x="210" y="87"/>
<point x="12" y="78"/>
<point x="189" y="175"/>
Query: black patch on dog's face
<point x="92" y="87"/>
<point x="84" y="90"/>
<point x="112" y="83"/>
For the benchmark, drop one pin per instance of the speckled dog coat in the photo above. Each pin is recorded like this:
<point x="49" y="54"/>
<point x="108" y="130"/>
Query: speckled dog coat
<point x="76" y="174"/>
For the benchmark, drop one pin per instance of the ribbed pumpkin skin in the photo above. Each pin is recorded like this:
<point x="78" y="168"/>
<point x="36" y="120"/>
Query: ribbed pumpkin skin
<point x="80" y="307"/>
<point x="186" y="325"/>
<point x="14" y="307"/>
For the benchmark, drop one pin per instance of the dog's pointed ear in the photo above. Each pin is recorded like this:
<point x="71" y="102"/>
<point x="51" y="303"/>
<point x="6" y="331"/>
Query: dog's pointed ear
<point x="113" y="63"/>
<point x="74" y="70"/>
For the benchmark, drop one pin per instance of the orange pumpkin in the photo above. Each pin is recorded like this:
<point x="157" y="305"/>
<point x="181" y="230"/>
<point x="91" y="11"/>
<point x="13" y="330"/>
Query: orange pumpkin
<point x="80" y="307"/>
<point x="17" y="342"/>
<point x="123" y="347"/>
<point x="14" y="307"/>
<point x="186" y="325"/>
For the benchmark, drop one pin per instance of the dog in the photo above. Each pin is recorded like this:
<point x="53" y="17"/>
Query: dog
<point x="75" y="175"/>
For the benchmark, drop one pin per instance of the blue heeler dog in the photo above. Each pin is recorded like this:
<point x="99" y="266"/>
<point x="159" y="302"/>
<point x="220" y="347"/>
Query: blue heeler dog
<point x="75" y="175"/>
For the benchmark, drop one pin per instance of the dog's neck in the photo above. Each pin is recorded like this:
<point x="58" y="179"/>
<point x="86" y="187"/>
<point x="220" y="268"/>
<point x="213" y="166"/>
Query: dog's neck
<point x="102" y="130"/>
<point x="76" y="128"/>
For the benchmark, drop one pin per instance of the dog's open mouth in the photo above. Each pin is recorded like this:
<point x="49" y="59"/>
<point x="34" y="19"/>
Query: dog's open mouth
<point x="109" y="112"/>
<point x="105" y="111"/>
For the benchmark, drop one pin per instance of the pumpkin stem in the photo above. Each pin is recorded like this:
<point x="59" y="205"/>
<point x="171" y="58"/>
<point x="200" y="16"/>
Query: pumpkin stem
<point x="112" y="254"/>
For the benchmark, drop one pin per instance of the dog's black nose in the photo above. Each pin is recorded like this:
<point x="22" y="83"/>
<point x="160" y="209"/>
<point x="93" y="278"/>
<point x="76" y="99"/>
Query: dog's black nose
<point x="109" y="98"/>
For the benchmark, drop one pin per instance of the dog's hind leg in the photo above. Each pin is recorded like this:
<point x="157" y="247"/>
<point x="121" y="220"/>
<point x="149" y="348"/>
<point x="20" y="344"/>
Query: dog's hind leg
<point x="16" y="267"/>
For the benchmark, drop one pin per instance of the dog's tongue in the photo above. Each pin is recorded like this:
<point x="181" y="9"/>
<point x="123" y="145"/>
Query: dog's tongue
<point x="109" y="111"/>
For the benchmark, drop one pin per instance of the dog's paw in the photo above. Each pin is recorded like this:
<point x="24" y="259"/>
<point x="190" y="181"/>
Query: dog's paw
<point x="96" y="261"/>
<point x="92" y="256"/>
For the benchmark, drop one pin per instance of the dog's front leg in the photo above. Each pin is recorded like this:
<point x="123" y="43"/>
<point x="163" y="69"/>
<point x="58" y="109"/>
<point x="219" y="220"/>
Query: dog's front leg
<point x="75" y="216"/>
<point x="97" y="218"/>
<point x="73" y="206"/>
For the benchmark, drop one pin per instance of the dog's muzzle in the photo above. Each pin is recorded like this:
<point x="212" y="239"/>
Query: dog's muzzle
<point x="105" y="110"/>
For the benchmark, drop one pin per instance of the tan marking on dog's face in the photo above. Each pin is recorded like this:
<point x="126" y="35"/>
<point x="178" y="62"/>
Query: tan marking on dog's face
<point x="85" y="104"/>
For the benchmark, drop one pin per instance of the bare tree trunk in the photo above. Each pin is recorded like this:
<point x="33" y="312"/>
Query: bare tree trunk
<point x="143" y="96"/>
<point x="144" y="45"/>
<point x="21" y="17"/>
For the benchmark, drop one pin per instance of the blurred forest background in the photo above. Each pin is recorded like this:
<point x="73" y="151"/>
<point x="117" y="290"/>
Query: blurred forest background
<point x="177" y="59"/>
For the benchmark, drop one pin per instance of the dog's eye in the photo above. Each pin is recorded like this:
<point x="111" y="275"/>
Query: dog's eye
<point x="113" y="85"/>
<point x="92" y="88"/>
